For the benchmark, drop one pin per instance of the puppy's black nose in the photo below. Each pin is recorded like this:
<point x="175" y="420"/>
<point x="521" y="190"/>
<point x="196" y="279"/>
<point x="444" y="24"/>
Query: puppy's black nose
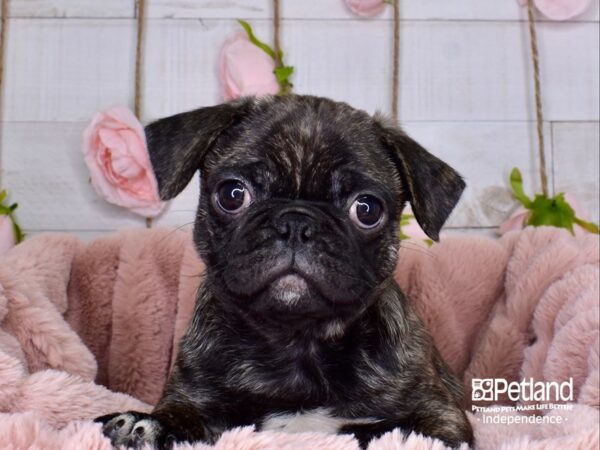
<point x="295" y="224"/>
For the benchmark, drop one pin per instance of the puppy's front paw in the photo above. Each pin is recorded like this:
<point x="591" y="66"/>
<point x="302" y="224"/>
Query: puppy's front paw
<point x="134" y="429"/>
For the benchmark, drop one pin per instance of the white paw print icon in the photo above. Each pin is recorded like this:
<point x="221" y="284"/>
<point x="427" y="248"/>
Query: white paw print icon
<point x="482" y="389"/>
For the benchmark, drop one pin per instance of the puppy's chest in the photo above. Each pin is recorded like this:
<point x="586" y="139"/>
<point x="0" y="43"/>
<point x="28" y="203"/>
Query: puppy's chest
<point x="297" y="380"/>
<point x="297" y="376"/>
<point x="322" y="420"/>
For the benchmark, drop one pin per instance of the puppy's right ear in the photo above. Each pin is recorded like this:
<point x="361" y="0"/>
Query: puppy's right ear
<point x="178" y="144"/>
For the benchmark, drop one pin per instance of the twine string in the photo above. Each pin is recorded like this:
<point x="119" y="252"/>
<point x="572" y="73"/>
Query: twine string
<point x="538" y="96"/>
<point x="276" y="33"/>
<point x="139" y="47"/>
<point x="3" y="24"/>
<point x="3" y="29"/>
<point x="285" y="87"/>
<point x="141" y="7"/>
<point x="396" y="60"/>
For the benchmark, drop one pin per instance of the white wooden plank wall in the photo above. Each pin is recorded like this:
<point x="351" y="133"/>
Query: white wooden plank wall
<point x="466" y="91"/>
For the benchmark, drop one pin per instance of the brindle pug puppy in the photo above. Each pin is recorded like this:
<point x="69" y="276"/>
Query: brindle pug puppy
<point x="299" y="324"/>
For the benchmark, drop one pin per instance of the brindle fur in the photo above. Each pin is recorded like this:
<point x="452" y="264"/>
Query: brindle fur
<point x="355" y="348"/>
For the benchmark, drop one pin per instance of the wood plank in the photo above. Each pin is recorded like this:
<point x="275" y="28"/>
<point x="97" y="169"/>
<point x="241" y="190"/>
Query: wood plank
<point x="577" y="163"/>
<point x="43" y="168"/>
<point x="452" y="71"/>
<point x="72" y="8"/>
<point x="61" y="70"/>
<point x="337" y="10"/>
<point x="579" y="63"/>
<point x="484" y="154"/>
<point x="65" y="70"/>
<point x="294" y="9"/>
<point x="448" y="71"/>
<point x="44" y="171"/>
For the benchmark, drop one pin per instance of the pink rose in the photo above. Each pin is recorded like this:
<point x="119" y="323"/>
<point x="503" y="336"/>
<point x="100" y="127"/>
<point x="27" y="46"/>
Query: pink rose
<point x="515" y="222"/>
<point x="245" y="69"/>
<point x="560" y="9"/>
<point x="365" y="8"/>
<point x="7" y="234"/>
<point x="518" y="219"/>
<point x="114" y="145"/>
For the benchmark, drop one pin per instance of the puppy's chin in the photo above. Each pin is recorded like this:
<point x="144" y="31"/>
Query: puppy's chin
<point x="291" y="297"/>
<point x="289" y="290"/>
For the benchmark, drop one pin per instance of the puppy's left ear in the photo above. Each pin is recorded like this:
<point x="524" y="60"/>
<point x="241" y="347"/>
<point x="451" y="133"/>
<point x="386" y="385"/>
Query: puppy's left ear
<point x="179" y="144"/>
<point x="433" y="186"/>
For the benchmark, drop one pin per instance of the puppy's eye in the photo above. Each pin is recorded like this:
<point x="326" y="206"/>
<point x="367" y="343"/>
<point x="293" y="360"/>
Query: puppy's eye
<point x="366" y="212"/>
<point x="232" y="196"/>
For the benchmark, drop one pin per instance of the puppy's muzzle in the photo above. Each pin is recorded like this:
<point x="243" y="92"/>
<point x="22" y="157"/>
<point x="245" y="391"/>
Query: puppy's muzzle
<point x="296" y="225"/>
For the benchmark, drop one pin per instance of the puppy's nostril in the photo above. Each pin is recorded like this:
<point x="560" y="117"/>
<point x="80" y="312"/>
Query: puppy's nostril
<point x="307" y="232"/>
<point x="283" y="228"/>
<point x="120" y="423"/>
<point x="139" y="431"/>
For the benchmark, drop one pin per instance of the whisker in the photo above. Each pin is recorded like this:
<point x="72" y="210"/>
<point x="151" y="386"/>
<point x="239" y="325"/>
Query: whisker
<point x="405" y="245"/>
<point x="176" y="229"/>
<point x="180" y="211"/>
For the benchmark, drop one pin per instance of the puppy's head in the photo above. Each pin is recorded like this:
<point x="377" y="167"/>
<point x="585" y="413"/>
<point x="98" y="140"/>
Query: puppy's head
<point x="300" y="202"/>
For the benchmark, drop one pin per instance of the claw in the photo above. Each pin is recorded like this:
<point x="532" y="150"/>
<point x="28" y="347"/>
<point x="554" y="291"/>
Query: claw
<point x="131" y="429"/>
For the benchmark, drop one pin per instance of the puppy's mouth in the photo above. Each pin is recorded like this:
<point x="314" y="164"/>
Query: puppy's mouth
<point x="291" y="294"/>
<point x="305" y="279"/>
<point x="294" y="283"/>
<point x="289" y="289"/>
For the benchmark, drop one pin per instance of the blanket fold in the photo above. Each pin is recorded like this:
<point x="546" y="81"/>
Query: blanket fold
<point x="92" y="328"/>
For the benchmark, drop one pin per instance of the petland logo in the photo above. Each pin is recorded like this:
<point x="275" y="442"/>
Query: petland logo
<point x="489" y="389"/>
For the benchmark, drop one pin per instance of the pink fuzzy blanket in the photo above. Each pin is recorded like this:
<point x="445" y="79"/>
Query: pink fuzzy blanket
<point x="88" y="329"/>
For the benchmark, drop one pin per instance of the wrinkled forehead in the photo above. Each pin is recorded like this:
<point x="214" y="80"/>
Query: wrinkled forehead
<point x="300" y="149"/>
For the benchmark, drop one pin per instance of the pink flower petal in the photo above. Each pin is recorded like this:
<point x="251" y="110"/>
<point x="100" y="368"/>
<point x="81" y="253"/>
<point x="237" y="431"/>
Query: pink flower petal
<point x="580" y="212"/>
<point x="515" y="222"/>
<point x="136" y="147"/>
<point x="365" y="8"/>
<point x="111" y="139"/>
<point x="7" y="234"/>
<point x="115" y="152"/>
<point x="560" y="9"/>
<point x="125" y="119"/>
<point x="125" y="167"/>
<point x="245" y="69"/>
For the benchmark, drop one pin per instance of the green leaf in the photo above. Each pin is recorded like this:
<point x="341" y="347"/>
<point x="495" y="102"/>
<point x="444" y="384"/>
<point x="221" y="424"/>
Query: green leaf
<point x="588" y="226"/>
<point x="283" y="74"/>
<point x="429" y="242"/>
<point x="516" y="182"/>
<point x="19" y="236"/>
<point x="403" y="236"/>
<point x="264" y="47"/>
<point x="554" y="211"/>
<point x="405" y="219"/>
<point x="8" y="211"/>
